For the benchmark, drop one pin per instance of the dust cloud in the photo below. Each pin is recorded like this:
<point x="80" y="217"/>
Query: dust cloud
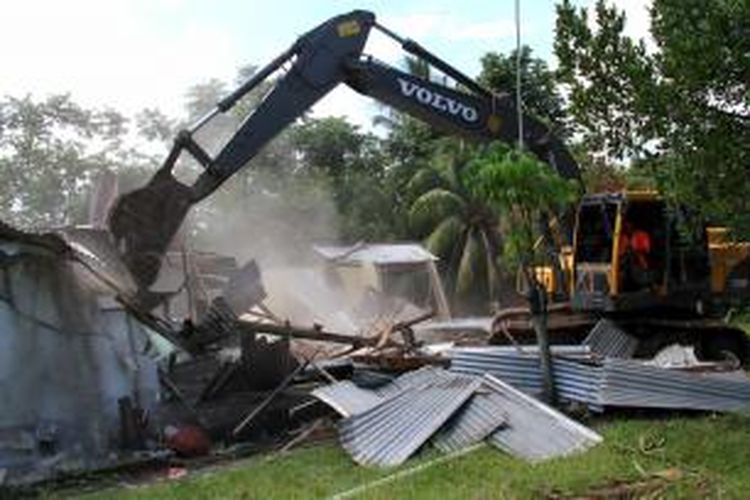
<point x="278" y="228"/>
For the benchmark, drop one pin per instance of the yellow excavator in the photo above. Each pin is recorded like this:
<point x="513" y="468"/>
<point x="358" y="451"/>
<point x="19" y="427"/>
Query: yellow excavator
<point x="670" y="287"/>
<point x="651" y="269"/>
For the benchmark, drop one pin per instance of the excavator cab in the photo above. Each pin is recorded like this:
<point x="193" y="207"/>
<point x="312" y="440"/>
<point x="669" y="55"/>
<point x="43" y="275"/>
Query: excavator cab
<point x="631" y="251"/>
<point x="653" y="269"/>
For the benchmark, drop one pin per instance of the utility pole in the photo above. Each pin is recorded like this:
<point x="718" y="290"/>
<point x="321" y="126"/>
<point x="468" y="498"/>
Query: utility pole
<point x="519" y="102"/>
<point x="537" y="292"/>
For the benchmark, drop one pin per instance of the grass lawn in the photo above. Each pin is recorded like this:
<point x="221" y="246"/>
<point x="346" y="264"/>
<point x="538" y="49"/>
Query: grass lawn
<point x="702" y="456"/>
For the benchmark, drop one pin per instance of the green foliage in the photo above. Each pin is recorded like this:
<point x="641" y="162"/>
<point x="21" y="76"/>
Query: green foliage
<point x="682" y="109"/>
<point x="523" y="189"/>
<point x="599" y="174"/>
<point x="539" y="91"/>
<point x="714" y="36"/>
<point x="49" y="152"/>
<point x="698" y="457"/>
<point x="611" y="80"/>
<point x="369" y="213"/>
<point x="335" y="147"/>
<point x="354" y="164"/>
<point x="457" y="226"/>
<point x="433" y="207"/>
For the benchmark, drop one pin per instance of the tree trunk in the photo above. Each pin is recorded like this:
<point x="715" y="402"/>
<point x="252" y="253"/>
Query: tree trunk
<point x="538" y="307"/>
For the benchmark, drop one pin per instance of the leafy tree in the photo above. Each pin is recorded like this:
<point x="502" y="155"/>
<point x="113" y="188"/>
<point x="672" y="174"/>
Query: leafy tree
<point x="523" y="189"/>
<point x="331" y="145"/>
<point x="458" y="226"/>
<point x="610" y="78"/>
<point x="154" y="125"/>
<point x="597" y="172"/>
<point x="682" y="109"/>
<point x="354" y="166"/>
<point x="49" y="151"/>
<point x="539" y="90"/>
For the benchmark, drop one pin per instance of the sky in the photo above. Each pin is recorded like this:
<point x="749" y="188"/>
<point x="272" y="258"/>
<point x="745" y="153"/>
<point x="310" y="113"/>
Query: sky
<point x="133" y="54"/>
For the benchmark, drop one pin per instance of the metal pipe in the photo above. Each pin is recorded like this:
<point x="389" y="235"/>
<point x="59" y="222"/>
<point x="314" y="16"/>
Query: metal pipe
<point x="243" y="89"/>
<point x="389" y="33"/>
<point x="257" y="78"/>
<point x="415" y="49"/>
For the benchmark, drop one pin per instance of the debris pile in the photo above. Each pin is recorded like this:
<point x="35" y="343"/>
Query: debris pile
<point x="385" y="426"/>
<point x="78" y="377"/>
<point x="203" y="365"/>
<point x="608" y="339"/>
<point x="600" y="382"/>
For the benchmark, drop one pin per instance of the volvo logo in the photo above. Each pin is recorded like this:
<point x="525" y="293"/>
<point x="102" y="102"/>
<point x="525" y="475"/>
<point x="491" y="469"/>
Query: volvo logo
<point x="440" y="102"/>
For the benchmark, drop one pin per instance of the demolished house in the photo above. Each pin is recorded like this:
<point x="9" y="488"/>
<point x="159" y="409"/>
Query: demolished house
<point x="390" y="271"/>
<point x="218" y="358"/>
<point x="71" y="359"/>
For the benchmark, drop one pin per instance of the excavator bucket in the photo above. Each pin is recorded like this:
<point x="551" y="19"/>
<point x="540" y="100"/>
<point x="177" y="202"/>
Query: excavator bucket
<point x="143" y="223"/>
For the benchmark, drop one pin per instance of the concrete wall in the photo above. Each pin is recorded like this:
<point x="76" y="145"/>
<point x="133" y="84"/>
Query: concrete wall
<point x="64" y="363"/>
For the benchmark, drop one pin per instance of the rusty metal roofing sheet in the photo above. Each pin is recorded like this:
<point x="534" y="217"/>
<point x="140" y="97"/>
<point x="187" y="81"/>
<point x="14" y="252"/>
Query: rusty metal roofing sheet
<point x="389" y="433"/>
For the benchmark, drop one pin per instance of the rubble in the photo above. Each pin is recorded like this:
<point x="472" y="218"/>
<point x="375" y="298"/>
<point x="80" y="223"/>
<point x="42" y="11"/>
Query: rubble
<point x="76" y="351"/>
<point x="608" y="339"/>
<point x="210" y="368"/>
<point x="385" y="426"/>
<point x="608" y="382"/>
<point x="390" y="432"/>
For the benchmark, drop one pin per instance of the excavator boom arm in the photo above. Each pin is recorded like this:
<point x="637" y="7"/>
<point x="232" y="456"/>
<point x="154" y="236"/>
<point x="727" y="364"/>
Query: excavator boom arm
<point x="318" y="62"/>
<point x="480" y="118"/>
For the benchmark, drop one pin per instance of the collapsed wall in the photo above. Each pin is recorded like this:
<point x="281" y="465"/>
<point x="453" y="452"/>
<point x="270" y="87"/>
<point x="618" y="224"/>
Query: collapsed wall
<point x="65" y="361"/>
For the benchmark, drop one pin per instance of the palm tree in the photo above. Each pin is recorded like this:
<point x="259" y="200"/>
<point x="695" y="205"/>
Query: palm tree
<point x="458" y="226"/>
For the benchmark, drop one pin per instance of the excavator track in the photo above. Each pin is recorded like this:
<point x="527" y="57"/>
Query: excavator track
<point x="713" y="339"/>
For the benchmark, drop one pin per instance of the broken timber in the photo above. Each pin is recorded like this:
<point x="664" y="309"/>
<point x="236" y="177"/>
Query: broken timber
<point x="317" y="333"/>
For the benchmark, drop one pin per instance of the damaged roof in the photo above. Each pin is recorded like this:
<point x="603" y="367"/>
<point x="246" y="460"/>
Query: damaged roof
<point x="376" y="253"/>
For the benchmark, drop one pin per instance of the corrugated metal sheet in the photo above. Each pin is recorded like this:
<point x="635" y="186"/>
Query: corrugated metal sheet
<point x="608" y="339"/>
<point x="575" y="381"/>
<point x="347" y="398"/>
<point x="519" y="370"/>
<point x="629" y="383"/>
<point x="476" y="420"/>
<point x="611" y="382"/>
<point x="386" y="426"/>
<point x="389" y="433"/>
<point x="350" y="399"/>
<point x="379" y="253"/>
<point x="535" y="431"/>
<point x="578" y="351"/>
